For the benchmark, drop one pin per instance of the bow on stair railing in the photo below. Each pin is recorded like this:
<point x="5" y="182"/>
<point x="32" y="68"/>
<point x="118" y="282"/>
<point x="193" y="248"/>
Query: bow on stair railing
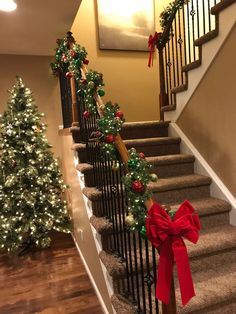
<point x="164" y="232"/>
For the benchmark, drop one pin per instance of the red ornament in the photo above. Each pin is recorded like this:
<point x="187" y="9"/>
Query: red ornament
<point x="64" y="58"/>
<point x="110" y="138"/>
<point x="86" y="114"/>
<point x="142" y="156"/>
<point x="86" y="61"/>
<point x="137" y="186"/>
<point x="69" y="75"/>
<point x="98" y="134"/>
<point x="73" y="53"/>
<point x="84" y="81"/>
<point x="119" y="114"/>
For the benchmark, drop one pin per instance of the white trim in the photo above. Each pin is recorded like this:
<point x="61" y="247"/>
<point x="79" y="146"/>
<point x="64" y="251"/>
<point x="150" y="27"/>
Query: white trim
<point x="91" y="279"/>
<point x="227" y="20"/>
<point x="218" y="188"/>
<point x="98" y="244"/>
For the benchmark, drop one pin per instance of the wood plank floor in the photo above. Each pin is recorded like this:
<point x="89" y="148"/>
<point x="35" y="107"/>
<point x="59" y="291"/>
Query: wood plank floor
<point x="49" y="281"/>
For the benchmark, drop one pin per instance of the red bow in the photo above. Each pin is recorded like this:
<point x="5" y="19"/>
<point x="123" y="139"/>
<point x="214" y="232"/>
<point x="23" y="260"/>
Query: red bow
<point x="167" y="235"/>
<point x="151" y="44"/>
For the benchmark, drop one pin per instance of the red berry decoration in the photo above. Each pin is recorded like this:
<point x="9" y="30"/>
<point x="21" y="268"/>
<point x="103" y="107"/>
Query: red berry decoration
<point x="73" y="53"/>
<point x="86" y="114"/>
<point x="142" y="156"/>
<point x="84" y="81"/>
<point x="86" y="61"/>
<point x="68" y="75"/>
<point x="137" y="186"/>
<point x="110" y="138"/>
<point x="119" y="114"/>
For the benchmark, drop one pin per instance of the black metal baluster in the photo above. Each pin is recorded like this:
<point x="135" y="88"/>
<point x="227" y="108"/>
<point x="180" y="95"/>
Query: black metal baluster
<point x="180" y="42"/>
<point x="154" y="263"/>
<point x="148" y="278"/>
<point x="169" y="64"/>
<point x="192" y="13"/>
<point x="166" y="75"/>
<point x="204" y="22"/>
<point x="141" y="271"/>
<point x="209" y="14"/>
<point x="136" y="273"/>
<point x="188" y="31"/>
<point x="172" y="52"/>
<point x="176" y="52"/>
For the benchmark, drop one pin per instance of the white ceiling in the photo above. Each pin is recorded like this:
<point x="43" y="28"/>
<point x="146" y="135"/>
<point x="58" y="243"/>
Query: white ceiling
<point x="32" y="29"/>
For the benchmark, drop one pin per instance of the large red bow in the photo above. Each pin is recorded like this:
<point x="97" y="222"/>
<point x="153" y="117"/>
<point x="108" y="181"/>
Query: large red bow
<point x="167" y="235"/>
<point x="151" y="44"/>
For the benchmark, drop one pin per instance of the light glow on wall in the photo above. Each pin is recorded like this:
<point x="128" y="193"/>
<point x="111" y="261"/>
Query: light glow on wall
<point x="7" y="5"/>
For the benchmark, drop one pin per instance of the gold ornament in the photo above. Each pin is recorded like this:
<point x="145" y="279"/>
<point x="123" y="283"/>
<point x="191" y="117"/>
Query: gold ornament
<point x="129" y="220"/>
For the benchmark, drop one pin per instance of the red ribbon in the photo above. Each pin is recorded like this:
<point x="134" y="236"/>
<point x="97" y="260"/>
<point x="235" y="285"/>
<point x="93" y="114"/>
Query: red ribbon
<point x="167" y="235"/>
<point x="151" y="44"/>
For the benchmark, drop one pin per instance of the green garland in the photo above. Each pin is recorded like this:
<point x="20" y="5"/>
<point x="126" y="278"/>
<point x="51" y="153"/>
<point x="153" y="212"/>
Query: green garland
<point x="69" y="56"/>
<point x="135" y="182"/>
<point x="88" y="88"/>
<point x="166" y="18"/>
<point x="109" y="125"/>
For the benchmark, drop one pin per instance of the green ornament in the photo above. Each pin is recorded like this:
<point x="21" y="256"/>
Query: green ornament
<point x="78" y="63"/>
<point x="101" y="92"/>
<point x="132" y="163"/>
<point x="143" y="233"/>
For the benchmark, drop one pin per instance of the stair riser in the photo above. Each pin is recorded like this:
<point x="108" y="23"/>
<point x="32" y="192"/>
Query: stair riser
<point x="143" y="132"/>
<point x="156" y="149"/>
<point x="148" y="150"/>
<point x="162" y="171"/>
<point x="167" y="197"/>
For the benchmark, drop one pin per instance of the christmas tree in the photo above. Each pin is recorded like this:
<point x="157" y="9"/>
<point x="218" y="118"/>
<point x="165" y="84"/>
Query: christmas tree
<point x="31" y="184"/>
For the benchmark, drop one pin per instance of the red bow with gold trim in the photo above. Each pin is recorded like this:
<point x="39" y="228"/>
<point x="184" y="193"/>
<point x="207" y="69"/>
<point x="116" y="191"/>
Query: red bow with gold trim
<point x="166" y="234"/>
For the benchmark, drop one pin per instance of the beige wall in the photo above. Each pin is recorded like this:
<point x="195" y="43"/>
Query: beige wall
<point x="209" y="119"/>
<point x="35" y="72"/>
<point x="128" y="80"/>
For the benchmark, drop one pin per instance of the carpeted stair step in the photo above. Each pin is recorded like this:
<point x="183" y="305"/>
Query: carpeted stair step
<point x="163" y="166"/>
<point x="215" y="288"/>
<point x="172" y="165"/>
<point x="213" y="212"/>
<point x="144" y="129"/>
<point x="177" y="189"/>
<point x="157" y="146"/>
<point x="133" y="130"/>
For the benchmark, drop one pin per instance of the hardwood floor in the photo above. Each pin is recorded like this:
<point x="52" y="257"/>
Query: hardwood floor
<point x="49" y="281"/>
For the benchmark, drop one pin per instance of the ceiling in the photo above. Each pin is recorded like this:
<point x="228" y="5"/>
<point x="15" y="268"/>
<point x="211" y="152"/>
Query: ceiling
<point x="32" y="29"/>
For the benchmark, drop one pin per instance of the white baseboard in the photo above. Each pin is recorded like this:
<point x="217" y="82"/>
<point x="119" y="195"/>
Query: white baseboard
<point x="98" y="244"/>
<point x="218" y="188"/>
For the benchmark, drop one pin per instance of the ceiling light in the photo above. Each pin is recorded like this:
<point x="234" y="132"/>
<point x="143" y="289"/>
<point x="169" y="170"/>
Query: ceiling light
<point x="7" y="5"/>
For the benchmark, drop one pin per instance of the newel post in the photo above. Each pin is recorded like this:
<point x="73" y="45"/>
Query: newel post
<point x="163" y="98"/>
<point x="171" y="307"/>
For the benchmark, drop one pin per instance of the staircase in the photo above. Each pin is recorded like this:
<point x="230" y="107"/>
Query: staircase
<point x="212" y="259"/>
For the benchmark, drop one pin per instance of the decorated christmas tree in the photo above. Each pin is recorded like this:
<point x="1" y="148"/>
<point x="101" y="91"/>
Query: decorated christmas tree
<point x="31" y="184"/>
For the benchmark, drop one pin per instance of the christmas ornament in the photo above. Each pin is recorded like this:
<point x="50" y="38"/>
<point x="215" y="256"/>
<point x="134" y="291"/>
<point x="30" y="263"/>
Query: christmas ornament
<point x="69" y="75"/>
<point x="109" y="138"/>
<point x="101" y="92"/>
<point x="86" y="114"/>
<point x="86" y="61"/>
<point x="115" y="166"/>
<point x="137" y="186"/>
<point x="129" y="220"/>
<point x="142" y="155"/>
<point x="132" y="164"/>
<point x="119" y="114"/>
<point x="153" y="177"/>
<point x="73" y="54"/>
<point x="143" y="233"/>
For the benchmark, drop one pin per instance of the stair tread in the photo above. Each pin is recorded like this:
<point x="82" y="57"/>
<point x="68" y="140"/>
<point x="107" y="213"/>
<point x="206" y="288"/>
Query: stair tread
<point x="217" y="285"/>
<point x="175" y="183"/>
<point x="207" y="206"/>
<point x="212" y="241"/>
<point x="170" y="159"/>
<point x="83" y="167"/>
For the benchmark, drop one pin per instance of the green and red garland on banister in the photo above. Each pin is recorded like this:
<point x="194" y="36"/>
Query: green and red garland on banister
<point x="159" y="39"/>
<point x="164" y="229"/>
